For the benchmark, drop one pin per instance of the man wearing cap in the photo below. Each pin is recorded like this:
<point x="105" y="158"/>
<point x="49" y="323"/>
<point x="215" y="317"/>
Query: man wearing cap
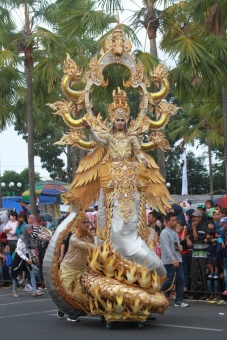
<point x="197" y="235"/>
<point x="201" y="208"/>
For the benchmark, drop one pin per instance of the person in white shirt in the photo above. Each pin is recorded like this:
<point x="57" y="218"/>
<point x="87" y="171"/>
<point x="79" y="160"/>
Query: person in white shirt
<point x="11" y="230"/>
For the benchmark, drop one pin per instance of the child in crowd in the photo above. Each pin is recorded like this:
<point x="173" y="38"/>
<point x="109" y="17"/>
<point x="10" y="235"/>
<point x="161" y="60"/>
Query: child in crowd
<point x="212" y="245"/>
<point x="7" y="264"/>
<point x="217" y="207"/>
<point x="216" y="218"/>
<point x="220" y="235"/>
<point x="212" y="279"/>
<point x="209" y="204"/>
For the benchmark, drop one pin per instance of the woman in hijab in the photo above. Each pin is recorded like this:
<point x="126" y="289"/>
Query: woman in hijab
<point x="33" y="223"/>
<point x="23" y="260"/>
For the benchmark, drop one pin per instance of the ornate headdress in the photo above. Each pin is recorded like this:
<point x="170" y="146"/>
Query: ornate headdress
<point x="119" y="107"/>
<point x="82" y="216"/>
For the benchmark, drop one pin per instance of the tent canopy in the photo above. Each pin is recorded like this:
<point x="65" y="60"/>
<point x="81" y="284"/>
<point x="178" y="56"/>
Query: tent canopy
<point x="48" y="192"/>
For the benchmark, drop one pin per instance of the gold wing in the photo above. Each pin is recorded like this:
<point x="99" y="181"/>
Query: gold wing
<point x="86" y="183"/>
<point x="157" y="194"/>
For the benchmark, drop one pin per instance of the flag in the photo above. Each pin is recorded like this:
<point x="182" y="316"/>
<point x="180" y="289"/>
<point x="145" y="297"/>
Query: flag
<point x="184" y="190"/>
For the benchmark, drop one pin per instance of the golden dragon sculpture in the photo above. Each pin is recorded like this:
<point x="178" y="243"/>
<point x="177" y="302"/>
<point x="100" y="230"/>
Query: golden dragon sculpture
<point x="116" y="288"/>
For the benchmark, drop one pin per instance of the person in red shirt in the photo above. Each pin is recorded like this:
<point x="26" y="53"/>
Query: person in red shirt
<point x="186" y="253"/>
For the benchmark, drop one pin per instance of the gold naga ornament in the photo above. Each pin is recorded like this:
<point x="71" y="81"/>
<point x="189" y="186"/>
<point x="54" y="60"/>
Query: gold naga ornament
<point x="116" y="288"/>
<point x="116" y="50"/>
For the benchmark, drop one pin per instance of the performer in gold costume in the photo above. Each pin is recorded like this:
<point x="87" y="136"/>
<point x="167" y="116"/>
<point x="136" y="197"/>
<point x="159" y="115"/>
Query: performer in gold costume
<point x="124" y="178"/>
<point x="125" y="274"/>
<point x="74" y="262"/>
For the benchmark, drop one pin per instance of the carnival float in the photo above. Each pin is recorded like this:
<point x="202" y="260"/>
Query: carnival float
<point x="119" y="280"/>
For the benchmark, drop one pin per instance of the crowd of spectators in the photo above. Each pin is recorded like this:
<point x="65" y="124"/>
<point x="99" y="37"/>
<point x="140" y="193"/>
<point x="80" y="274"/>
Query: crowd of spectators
<point x="203" y="236"/>
<point x="202" y="233"/>
<point x="31" y="251"/>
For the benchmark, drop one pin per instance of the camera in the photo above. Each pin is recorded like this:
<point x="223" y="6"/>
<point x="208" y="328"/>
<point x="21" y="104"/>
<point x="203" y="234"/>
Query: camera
<point x="176" y="245"/>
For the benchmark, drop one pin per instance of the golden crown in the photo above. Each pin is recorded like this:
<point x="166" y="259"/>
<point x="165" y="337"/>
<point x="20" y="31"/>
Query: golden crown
<point x="119" y="107"/>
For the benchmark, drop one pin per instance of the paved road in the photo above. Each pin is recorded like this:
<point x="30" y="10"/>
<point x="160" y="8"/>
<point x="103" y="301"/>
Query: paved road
<point x="28" y="318"/>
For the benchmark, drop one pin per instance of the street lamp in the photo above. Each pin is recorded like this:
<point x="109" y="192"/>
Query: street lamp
<point x="11" y="186"/>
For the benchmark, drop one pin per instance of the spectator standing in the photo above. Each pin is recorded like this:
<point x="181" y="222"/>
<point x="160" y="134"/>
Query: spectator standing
<point x="172" y="260"/>
<point x="212" y="279"/>
<point x="197" y="236"/>
<point x="225" y="260"/>
<point x="23" y="260"/>
<point x="35" y="228"/>
<point x="186" y="254"/>
<point x="21" y="223"/>
<point x="11" y="230"/>
<point x="212" y="250"/>
<point x="220" y="235"/>
<point x="152" y="223"/>
<point x="9" y="255"/>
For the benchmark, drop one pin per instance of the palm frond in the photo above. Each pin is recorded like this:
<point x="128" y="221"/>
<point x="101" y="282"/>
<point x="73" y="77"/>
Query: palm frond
<point x="110" y="5"/>
<point x="47" y="39"/>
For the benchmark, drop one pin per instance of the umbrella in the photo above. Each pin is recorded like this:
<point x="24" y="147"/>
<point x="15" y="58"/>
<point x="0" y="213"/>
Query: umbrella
<point x="47" y="191"/>
<point x="222" y="201"/>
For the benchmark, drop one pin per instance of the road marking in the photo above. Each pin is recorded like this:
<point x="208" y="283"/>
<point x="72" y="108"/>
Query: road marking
<point x="159" y="324"/>
<point x="27" y="314"/>
<point x="19" y="302"/>
<point x="188" y="327"/>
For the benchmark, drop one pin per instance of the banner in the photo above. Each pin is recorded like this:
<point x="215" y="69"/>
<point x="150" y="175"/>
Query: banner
<point x="184" y="190"/>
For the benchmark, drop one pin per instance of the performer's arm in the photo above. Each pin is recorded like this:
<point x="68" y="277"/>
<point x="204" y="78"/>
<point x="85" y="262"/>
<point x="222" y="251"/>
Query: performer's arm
<point x="136" y="147"/>
<point x="96" y="138"/>
<point x="93" y="134"/>
<point x="84" y="244"/>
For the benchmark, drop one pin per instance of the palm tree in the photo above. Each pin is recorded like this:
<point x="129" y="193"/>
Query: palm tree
<point x="32" y="57"/>
<point x="201" y="122"/>
<point x="21" y="38"/>
<point x="212" y="15"/>
<point x="198" y="42"/>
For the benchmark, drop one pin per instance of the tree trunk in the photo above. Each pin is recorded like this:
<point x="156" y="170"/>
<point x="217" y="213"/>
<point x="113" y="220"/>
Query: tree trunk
<point x="28" y="64"/>
<point x="224" y="104"/>
<point x="211" y="172"/>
